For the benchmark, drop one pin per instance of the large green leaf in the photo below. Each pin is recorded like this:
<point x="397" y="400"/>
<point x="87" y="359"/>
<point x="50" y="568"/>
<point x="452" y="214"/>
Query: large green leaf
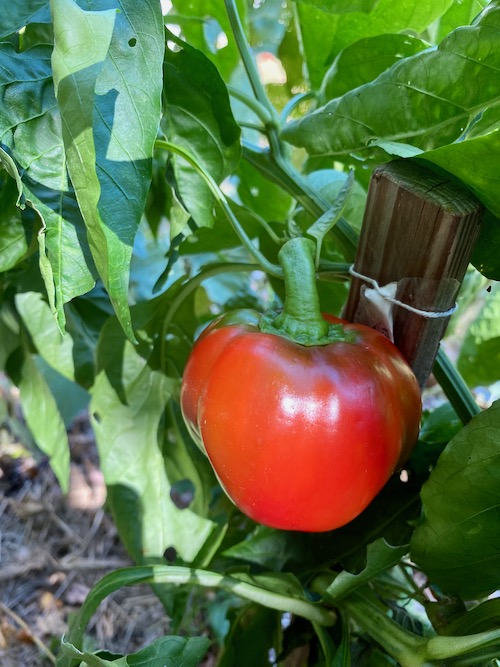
<point x="241" y="647"/>
<point x="340" y="6"/>
<point x="323" y="37"/>
<point x="133" y="466"/>
<point x="198" y="117"/>
<point x="460" y="13"/>
<point x="33" y="137"/>
<point x="476" y="162"/>
<point x="458" y="542"/>
<point x="364" y="60"/>
<point x="419" y="100"/>
<point x="44" y="419"/>
<point x="479" y="360"/>
<point x="107" y="72"/>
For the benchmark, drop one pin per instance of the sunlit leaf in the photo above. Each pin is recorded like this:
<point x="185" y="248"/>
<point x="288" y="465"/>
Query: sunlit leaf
<point x="35" y="158"/>
<point x="323" y="37"/>
<point x="107" y="73"/>
<point x="44" y="419"/>
<point x="419" y="100"/>
<point x="133" y="466"/>
<point x="340" y="6"/>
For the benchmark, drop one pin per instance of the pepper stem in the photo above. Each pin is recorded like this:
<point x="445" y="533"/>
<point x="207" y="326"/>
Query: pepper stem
<point x="301" y="318"/>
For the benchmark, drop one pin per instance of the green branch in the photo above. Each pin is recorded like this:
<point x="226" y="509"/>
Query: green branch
<point x="189" y="287"/>
<point x="165" y="574"/>
<point x="248" y="61"/>
<point x="265" y="264"/>
<point x="457" y="392"/>
<point x="260" y="110"/>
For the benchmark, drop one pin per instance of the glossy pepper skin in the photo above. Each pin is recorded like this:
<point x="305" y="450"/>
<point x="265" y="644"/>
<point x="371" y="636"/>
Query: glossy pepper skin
<point x="301" y="437"/>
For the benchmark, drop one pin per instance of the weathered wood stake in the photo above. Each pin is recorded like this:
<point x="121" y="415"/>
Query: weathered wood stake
<point x="419" y="228"/>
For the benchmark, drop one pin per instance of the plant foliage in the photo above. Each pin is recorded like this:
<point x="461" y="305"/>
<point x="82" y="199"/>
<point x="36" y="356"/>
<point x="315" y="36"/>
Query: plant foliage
<point x="150" y="171"/>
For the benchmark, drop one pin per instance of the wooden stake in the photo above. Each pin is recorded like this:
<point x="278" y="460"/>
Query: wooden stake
<point x="419" y="228"/>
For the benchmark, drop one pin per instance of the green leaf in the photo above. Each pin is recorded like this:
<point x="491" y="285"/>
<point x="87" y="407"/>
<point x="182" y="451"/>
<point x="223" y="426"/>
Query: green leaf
<point x="364" y="60"/>
<point x="324" y="37"/>
<point x="205" y="26"/>
<point x="460" y="13"/>
<point x="185" y="462"/>
<point x="56" y="349"/>
<point x="15" y="15"/>
<point x="320" y="228"/>
<point x="458" y="544"/>
<point x="265" y="546"/>
<point x="476" y="163"/>
<point x="343" y="653"/>
<point x="171" y="652"/>
<point x="35" y="158"/>
<point x="380" y="556"/>
<point x="107" y="74"/>
<point x="14" y="238"/>
<point x="132" y="462"/>
<point x="486" y="254"/>
<point x="91" y="659"/>
<point x="198" y="118"/>
<point x="44" y="420"/>
<point x="163" y="652"/>
<point x="241" y="647"/>
<point x="479" y="359"/>
<point x="340" y="6"/>
<point x="262" y="196"/>
<point x="419" y="100"/>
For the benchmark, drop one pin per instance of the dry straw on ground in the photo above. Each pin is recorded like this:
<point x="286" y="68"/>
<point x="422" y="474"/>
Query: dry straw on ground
<point x="53" y="549"/>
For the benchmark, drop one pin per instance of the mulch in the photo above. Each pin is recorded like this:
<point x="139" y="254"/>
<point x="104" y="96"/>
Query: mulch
<point x="53" y="549"/>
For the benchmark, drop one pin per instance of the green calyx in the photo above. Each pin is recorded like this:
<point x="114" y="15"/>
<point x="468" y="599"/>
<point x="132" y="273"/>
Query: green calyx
<point x="301" y="320"/>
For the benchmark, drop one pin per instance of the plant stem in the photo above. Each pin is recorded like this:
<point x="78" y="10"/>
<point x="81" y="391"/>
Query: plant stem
<point x="248" y="61"/>
<point x="189" y="287"/>
<point x="278" y="169"/>
<point x="165" y="574"/>
<point x="301" y="319"/>
<point x="294" y="102"/>
<point x="265" y="264"/>
<point x="457" y="392"/>
<point x="260" y="110"/>
<point x="442" y="648"/>
<point x="408" y="649"/>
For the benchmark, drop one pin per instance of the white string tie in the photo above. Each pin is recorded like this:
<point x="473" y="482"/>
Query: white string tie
<point x="384" y="293"/>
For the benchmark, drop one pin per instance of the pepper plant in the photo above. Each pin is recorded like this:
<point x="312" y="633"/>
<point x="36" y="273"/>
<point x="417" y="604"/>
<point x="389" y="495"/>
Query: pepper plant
<point x="156" y="158"/>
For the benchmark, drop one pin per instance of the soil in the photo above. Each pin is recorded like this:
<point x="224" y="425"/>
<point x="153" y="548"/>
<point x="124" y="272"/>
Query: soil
<point x="53" y="549"/>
